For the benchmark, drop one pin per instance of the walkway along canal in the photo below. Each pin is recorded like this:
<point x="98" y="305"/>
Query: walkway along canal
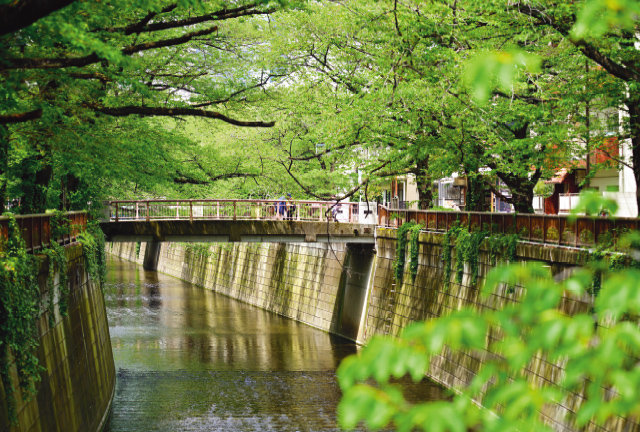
<point x="189" y="359"/>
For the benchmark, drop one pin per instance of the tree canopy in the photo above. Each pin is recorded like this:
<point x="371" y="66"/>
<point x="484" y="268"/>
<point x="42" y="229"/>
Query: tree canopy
<point x="342" y="96"/>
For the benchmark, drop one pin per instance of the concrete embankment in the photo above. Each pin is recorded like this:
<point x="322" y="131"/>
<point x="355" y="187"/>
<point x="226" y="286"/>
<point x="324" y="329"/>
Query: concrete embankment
<point x="78" y="383"/>
<point x="318" y="284"/>
<point x="352" y="292"/>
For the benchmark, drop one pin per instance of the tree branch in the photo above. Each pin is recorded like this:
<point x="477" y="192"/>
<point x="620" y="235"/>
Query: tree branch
<point x="143" y="25"/>
<point x="183" y="179"/>
<point x="21" y="117"/>
<point x="325" y="197"/>
<point x="616" y="69"/>
<point x="138" y="27"/>
<point x="64" y="62"/>
<point x="22" y="13"/>
<point x="171" y="112"/>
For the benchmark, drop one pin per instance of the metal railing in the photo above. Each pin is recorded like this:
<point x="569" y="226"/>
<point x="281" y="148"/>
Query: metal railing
<point x="36" y="228"/>
<point x="211" y="209"/>
<point x="550" y="229"/>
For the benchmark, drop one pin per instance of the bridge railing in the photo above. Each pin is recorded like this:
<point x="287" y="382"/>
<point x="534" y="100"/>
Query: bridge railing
<point x="209" y="209"/>
<point x="551" y="229"/>
<point x="36" y="228"/>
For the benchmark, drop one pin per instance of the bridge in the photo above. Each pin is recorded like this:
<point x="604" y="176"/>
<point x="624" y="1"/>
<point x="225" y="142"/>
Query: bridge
<point x="239" y="221"/>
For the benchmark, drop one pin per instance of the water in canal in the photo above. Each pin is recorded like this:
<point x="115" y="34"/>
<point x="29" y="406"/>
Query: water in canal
<point x="188" y="359"/>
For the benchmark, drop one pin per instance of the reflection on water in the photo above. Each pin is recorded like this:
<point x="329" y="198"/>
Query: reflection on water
<point x="192" y="360"/>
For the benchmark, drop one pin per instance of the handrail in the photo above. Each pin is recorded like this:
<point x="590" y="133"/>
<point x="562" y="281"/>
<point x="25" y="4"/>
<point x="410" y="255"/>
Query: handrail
<point x="547" y="229"/>
<point x="36" y="228"/>
<point x="237" y="209"/>
<point x="583" y="231"/>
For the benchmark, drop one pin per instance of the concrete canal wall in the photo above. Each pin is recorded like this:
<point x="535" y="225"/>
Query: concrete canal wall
<point x="360" y="299"/>
<point x="317" y="284"/>
<point x="78" y="383"/>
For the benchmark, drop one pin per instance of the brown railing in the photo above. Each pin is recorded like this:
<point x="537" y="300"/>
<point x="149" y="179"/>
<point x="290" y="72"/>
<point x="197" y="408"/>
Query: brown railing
<point x="36" y="228"/>
<point x="550" y="229"/>
<point x="209" y="209"/>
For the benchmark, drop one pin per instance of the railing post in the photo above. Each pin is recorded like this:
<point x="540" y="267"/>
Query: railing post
<point x="116" y="211"/>
<point x="234" y="210"/>
<point x="218" y="210"/>
<point x="298" y="211"/>
<point x="137" y="211"/>
<point x="148" y="215"/>
<point x="190" y="211"/>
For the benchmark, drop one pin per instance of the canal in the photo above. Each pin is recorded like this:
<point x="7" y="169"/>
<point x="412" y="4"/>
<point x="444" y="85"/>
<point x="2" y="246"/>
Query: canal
<point x="188" y="359"/>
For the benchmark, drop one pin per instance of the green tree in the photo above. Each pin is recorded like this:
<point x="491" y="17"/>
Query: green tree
<point x="70" y="70"/>
<point x="391" y="71"/>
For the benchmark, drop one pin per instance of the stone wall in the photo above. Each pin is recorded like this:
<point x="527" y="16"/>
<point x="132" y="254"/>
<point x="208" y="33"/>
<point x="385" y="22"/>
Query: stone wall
<point x="130" y="251"/>
<point x="76" y="389"/>
<point x="393" y="306"/>
<point x="304" y="282"/>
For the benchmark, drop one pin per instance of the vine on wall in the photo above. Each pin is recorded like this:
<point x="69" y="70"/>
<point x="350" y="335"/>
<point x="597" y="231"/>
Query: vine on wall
<point x="19" y="310"/>
<point x="93" y="250"/>
<point x="20" y="299"/>
<point x="57" y="258"/>
<point x="414" y="250"/>
<point x="401" y="250"/>
<point x="199" y="250"/>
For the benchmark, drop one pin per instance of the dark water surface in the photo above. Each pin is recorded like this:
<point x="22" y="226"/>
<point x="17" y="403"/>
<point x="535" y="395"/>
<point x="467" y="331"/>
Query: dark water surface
<point x="188" y="359"/>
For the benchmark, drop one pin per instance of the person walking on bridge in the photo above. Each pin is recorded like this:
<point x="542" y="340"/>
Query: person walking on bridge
<point x="281" y="207"/>
<point x="291" y="208"/>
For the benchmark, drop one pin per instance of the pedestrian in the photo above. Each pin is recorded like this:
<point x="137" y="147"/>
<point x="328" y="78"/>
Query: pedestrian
<point x="291" y="208"/>
<point x="281" y="208"/>
<point x="335" y="210"/>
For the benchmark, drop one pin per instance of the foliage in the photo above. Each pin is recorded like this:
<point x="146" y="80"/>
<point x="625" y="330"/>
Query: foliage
<point x="471" y="251"/>
<point x="60" y="226"/>
<point x="592" y="203"/>
<point x="57" y="259"/>
<point x="414" y="250"/>
<point x="596" y="358"/>
<point x="93" y="250"/>
<point x="446" y="252"/>
<point x="543" y="189"/>
<point x="401" y="250"/>
<point x="498" y="69"/>
<point x="199" y="250"/>
<point x="462" y="242"/>
<point x="81" y="85"/>
<point x="553" y="234"/>
<point x="19" y="310"/>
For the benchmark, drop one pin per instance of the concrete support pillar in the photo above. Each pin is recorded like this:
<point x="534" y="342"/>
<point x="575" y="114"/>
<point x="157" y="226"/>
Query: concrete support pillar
<point x="151" y="255"/>
<point x="354" y="283"/>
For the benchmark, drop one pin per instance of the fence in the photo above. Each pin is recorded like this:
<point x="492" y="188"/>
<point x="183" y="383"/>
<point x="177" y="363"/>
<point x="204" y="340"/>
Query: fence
<point x="552" y="229"/>
<point x="36" y="228"/>
<point x="235" y="210"/>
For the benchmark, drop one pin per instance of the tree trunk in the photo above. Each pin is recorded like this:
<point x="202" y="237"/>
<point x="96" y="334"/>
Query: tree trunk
<point x="521" y="190"/>
<point x="476" y="195"/>
<point x="4" y="165"/>
<point x="35" y="186"/>
<point x="521" y="186"/>
<point x="423" y="183"/>
<point x="633" y="104"/>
